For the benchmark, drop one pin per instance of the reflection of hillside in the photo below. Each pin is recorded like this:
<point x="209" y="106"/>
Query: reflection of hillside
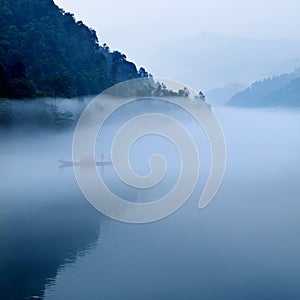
<point x="36" y="242"/>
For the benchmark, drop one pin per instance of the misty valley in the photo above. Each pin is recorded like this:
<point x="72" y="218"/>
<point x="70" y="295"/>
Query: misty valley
<point x="169" y="172"/>
<point x="52" y="237"/>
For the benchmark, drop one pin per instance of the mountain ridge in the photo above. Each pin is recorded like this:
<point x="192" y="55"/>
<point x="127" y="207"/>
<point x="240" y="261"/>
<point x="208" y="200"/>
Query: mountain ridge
<point x="281" y="90"/>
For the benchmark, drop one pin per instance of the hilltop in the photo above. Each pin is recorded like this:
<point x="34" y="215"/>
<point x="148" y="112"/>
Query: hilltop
<point x="44" y="51"/>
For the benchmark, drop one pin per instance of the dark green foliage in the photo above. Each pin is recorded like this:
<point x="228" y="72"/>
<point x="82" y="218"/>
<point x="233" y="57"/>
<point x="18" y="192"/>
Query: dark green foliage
<point x="157" y="89"/>
<point x="59" y="86"/>
<point x="18" y="88"/>
<point x="51" y="117"/>
<point x="146" y="87"/>
<point x="45" y="52"/>
<point x="36" y="114"/>
<point x="201" y="96"/>
<point x="6" y="119"/>
<point x="143" y="73"/>
<point x="2" y="80"/>
<point x="184" y="92"/>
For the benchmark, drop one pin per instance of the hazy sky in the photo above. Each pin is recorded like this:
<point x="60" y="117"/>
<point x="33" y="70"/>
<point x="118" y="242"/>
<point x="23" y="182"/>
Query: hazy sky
<point x="135" y="27"/>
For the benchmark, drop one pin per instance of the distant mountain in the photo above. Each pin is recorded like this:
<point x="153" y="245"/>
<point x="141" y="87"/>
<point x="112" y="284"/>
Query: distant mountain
<point x="220" y="96"/>
<point x="282" y="90"/>
<point x="209" y="61"/>
<point x="45" y="52"/>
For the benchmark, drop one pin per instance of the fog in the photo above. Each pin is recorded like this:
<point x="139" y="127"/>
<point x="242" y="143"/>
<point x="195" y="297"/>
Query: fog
<point x="244" y="245"/>
<point x="158" y="21"/>
<point x="209" y="61"/>
<point x="205" y="44"/>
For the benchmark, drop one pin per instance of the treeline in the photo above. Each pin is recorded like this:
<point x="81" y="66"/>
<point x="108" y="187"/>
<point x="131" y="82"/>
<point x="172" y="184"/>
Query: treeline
<point x="282" y="90"/>
<point x="45" y="52"/>
<point x="58" y="115"/>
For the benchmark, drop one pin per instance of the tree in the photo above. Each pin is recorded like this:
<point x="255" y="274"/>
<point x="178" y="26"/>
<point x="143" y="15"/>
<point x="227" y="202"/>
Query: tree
<point x="17" y="70"/>
<point x="202" y="96"/>
<point x="21" y="88"/>
<point x="142" y="73"/>
<point x="6" y="118"/>
<point x="52" y="117"/>
<point x="184" y="92"/>
<point x="40" y="43"/>
<point x="2" y="81"/>
<point x="60" y="86"/>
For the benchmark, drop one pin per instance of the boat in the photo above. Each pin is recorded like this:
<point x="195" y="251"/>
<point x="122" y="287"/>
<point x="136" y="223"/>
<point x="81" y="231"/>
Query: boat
<point x="84" y="162"/>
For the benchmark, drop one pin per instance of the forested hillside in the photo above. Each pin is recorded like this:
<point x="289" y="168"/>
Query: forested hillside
<point x="45" y="52"/>
<point x="283" y="90"/>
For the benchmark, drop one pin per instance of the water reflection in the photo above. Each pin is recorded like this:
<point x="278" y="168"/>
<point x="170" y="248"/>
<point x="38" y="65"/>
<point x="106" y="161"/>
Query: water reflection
<point x="45" y="222"/>
<point x="244" y="245"/>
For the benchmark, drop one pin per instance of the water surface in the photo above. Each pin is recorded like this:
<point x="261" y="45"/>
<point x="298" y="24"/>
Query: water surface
<point x="244" y="245"/>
